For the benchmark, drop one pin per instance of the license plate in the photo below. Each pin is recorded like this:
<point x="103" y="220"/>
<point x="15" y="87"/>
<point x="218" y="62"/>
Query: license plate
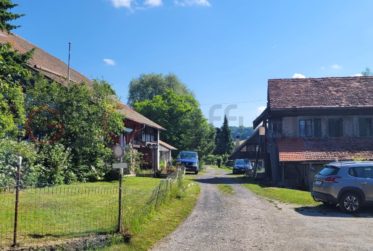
<point x="318" y="182"/>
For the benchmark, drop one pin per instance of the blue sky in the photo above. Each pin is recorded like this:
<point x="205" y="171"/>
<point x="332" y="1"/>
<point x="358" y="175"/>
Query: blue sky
<point x="224" y="50"/>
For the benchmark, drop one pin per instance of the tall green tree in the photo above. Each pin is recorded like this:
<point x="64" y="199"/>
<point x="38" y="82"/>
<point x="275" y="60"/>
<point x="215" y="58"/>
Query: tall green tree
<point x="187" y="129"/>
<point x="88" y="116"/>
<point x="149" y="85"/>
<point x="6" y="16"/>
<point x="367" y="72"/>
<point x="224" y="141"/>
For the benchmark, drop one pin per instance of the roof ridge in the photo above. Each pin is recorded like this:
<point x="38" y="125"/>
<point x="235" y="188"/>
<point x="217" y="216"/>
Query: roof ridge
<point x="319" y="78"/>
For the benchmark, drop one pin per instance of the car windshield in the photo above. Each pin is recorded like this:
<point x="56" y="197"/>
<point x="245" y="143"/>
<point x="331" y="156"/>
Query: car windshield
<point x="187" y="155"/>
<point x="329" y="170"/>
<point x="242" y="162"/>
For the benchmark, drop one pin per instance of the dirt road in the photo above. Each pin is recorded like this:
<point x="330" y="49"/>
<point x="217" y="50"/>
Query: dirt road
<point x="242" y="221"/>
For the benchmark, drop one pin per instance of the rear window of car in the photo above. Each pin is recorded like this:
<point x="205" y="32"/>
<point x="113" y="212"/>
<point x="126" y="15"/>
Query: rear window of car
<point x="329" y="170"/>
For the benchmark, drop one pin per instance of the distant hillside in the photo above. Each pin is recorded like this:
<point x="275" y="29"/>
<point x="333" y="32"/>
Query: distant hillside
<point x="241" y="132"/>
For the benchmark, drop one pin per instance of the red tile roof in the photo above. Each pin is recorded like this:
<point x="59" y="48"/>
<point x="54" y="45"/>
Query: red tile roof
<point x="42" y="61"/>
<point x="298" y="149"/>
<point x="320" y="92"/>
<point x="131" y="114"/>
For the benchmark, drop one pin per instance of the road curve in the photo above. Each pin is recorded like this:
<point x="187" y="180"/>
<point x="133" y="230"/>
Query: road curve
<point x="243" y="221"/>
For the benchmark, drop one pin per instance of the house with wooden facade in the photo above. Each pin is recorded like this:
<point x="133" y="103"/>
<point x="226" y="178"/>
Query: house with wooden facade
<point x="139" y="132"/>
<point x="313" y="121"/>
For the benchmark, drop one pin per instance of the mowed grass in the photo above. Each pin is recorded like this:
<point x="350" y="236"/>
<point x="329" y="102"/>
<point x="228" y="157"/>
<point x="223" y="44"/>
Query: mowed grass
<point x="226" y="189"/>
<point x="162" y="222"/>
<point x="284" y="195"/>
<point x="47" y="214"/>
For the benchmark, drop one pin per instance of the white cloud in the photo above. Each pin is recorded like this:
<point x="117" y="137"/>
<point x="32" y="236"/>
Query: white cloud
<point x="298" y="75"/>
<point x="153" y="3"/>
<point x="358" y="75"/>
<point x="109" y="61"/>
<point x="261" y="109"/>
<point x="336" y="67"/>
<point x="122" y="3"/>
<point x="185" y="3"/>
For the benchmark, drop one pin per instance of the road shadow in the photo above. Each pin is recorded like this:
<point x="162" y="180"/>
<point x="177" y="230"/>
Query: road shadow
<point x="227" y="179"/>
<point x="333" y="211"/>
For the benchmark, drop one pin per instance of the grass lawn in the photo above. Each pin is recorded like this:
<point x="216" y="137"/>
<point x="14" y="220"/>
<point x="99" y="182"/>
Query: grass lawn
<point x="162" y="222"/>
<point x="67" y="211"/>
<point x="285" y="195"/>
<point x="226" y="189"/>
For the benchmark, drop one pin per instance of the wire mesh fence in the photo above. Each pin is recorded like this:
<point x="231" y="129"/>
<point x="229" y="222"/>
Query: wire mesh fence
<point x="56" y="213"/>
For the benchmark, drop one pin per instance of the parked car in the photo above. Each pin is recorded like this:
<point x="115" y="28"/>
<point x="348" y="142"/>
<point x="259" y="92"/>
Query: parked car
<point x="241" y="166"/>
<point x="348" y="184"/>
<point x="189" y="160"/>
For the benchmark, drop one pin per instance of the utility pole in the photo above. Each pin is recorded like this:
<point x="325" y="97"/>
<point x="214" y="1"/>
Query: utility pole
<point x="68" y="63"/>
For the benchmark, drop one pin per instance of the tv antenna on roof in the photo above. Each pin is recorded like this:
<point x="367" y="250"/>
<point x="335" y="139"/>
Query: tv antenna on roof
<point x="68" y="63"/>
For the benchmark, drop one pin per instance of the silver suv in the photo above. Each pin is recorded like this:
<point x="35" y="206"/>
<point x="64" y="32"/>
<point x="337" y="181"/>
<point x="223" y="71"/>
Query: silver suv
<point x="349" y="184"/>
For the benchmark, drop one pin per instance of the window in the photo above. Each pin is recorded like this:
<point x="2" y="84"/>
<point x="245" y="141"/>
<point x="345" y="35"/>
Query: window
<point x="310" y="128"/>
<point x="335" y="127"/>
<point x="317" y="128"/>
<point x="305" y="127"/>
<point x="361" y="172"/>
<point x="329" y="170"/>
<point x="277" y="127"/>
<point x="365" y="127"/>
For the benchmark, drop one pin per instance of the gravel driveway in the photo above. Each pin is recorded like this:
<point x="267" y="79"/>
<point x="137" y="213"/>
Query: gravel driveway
<point x="243" y="221"/>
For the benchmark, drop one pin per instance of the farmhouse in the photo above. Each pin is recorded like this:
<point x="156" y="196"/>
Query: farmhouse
<point x="313" y="121"/>
<point x="139" y="132"/>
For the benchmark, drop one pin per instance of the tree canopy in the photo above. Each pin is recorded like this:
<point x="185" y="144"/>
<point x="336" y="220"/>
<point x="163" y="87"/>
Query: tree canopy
<point x="88" y="117"/>
<point x="149" y="85"/>
<point x="187" y="129"/>
<point x="224" y="141"/>
<point x="6" y="16"/>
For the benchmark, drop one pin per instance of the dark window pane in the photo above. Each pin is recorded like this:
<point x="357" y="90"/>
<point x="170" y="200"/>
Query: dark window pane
<point x="329" y="170"/>
<point x="365" y="127"/>
<point x="317" y="128"/>
<point x="302" y="128"/>
<point x="277" y="127"/>
<point x="361" y="172"/>
<point x="335" y="127"/>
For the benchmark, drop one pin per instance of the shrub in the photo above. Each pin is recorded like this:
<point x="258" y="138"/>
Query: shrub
<point x="10" y="150"/>
<point x="55" y="165"/>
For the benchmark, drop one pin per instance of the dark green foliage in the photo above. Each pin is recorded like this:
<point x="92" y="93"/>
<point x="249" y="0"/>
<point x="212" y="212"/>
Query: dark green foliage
<point x="14" y="75"/>
<point x="187" y="129"/>
<point x="149" y="85"/>
<point x="89" y="118"/>
<point x="6" y="16"/>
<point x="241" y="132"/>
<point x="10" y="150"/>
<point x="224" y="141"/>
<point x="54" y="161"/>
<point x="367" y="72"/>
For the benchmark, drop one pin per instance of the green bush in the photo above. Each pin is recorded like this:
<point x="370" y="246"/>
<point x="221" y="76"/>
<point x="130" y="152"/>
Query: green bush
<point x="10" y="150"/>
<point x="55" y="165"/>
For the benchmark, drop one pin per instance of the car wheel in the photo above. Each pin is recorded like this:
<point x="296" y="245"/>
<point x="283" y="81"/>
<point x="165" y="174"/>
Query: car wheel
<point x="196" y="172"/>
<point x="350" y="202"/>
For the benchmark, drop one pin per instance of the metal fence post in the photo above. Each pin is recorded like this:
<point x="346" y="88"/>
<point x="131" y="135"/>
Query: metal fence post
<point x="17" y="201"/>
<point x="120" y="220"/>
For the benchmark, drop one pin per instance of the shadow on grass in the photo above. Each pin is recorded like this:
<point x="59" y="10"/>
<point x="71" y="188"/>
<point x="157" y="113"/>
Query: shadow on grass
<point x="333" y="211"/>
<point x="69" y="235"/>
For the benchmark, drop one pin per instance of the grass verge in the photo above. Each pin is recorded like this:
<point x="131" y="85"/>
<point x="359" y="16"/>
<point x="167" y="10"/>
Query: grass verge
<point x="226" y="189"/>
<point x="161" y="222"/>
<point x="284" y="195"/>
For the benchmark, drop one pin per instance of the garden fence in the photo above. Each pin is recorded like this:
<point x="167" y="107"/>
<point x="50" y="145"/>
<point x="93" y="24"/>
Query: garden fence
<point x="63" y="212"/>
